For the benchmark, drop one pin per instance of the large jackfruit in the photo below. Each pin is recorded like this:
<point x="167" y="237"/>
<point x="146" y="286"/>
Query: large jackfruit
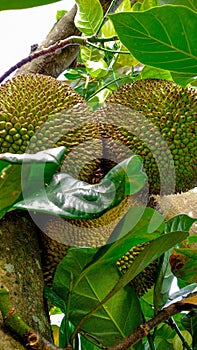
<point x="173" y="112"/>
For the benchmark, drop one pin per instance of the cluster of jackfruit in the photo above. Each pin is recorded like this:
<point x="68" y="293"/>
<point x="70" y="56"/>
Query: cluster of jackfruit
<point x="153" y="118"/>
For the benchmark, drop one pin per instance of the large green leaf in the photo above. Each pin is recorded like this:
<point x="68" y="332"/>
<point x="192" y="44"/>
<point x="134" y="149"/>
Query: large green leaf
<point x="71" y="198"/>
<point x="108" y="324"/>
<point x="89" y="16"/>
<point x="189" y="3"/>
<point x="15" y="4"/>
<point x="162" y="37"/>
<point x="139" y="225"/>
<point x="150" y="253"/>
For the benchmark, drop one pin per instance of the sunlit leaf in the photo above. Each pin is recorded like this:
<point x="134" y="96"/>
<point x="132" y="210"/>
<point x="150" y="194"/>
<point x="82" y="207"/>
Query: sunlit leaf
<point x="162" y="37"/>
<point x="155" y="73"/>
<point x="192" y="4"/>
<point x="89" y="16"/>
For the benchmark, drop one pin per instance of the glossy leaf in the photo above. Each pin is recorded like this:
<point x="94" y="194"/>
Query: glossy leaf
<point x="139" y="225"/>
<point x="15" y="4"/>
<point x="71" y="198"/>
<point x="181" y="222"/>
<point x="89" y="16"/>
<point x="27" y="173"/>
<point x="108" y="324"/>
<point x="162" y="37"/>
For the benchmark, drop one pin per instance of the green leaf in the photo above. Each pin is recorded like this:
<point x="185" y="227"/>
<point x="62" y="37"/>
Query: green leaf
<point x="108" y="324"/>
<point x="71" y="198"/>
<point x="162" y="37"/>
<point x="155" y="73"/>
<point x="181" y="222"/>
<point x="27" y="173"/>
<point x="9" y="190"/>
<point x="190" y="323"/>
<point x="89" y="16"/>
<point x="139" y="225"/>
<point x="150" y="253"/>
<point x="15" y="4"/>
<point x="54" y="299"/>
<point x="145" y="5"/>
<point x="165" y="276"/>
<point x="192" y="4"/>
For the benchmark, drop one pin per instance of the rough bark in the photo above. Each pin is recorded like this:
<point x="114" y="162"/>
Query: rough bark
<point x="21" y="274"/>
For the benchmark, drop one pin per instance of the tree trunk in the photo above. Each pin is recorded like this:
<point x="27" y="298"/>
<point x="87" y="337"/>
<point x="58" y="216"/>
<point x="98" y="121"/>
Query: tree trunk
<point x="21" y="274"/>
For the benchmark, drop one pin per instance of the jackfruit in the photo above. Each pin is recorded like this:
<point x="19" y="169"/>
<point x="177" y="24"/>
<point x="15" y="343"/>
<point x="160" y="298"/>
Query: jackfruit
<point x="173" y="111"/>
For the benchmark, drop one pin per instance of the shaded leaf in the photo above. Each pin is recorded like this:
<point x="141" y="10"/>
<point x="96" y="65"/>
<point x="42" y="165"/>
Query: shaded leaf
<point x="162" y="37"/>
<point x="89" y="16"/>
<point x="71" y="198"/>
<point x="109" y="323"/>
<point x="165" y="276"/>
<point x="190" y="323"/>
<point x="15" y="4"/>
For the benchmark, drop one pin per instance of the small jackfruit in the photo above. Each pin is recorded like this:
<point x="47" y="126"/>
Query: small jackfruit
<point x="172" y="110"/>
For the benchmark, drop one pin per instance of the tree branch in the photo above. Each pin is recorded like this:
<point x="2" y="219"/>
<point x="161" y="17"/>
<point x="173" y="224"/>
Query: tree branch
<point x="187" y="304"/>
<point x="57" y="62"/>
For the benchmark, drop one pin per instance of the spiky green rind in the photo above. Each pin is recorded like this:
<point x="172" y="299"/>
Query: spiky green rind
<point x="26" y="102"/>
<point x="146" y="278"/>
<point x="173" y="110"/>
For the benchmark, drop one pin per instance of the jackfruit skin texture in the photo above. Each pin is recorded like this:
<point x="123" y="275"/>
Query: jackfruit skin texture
<point x="173" y="110"/>
<point x="26" y="103"/>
